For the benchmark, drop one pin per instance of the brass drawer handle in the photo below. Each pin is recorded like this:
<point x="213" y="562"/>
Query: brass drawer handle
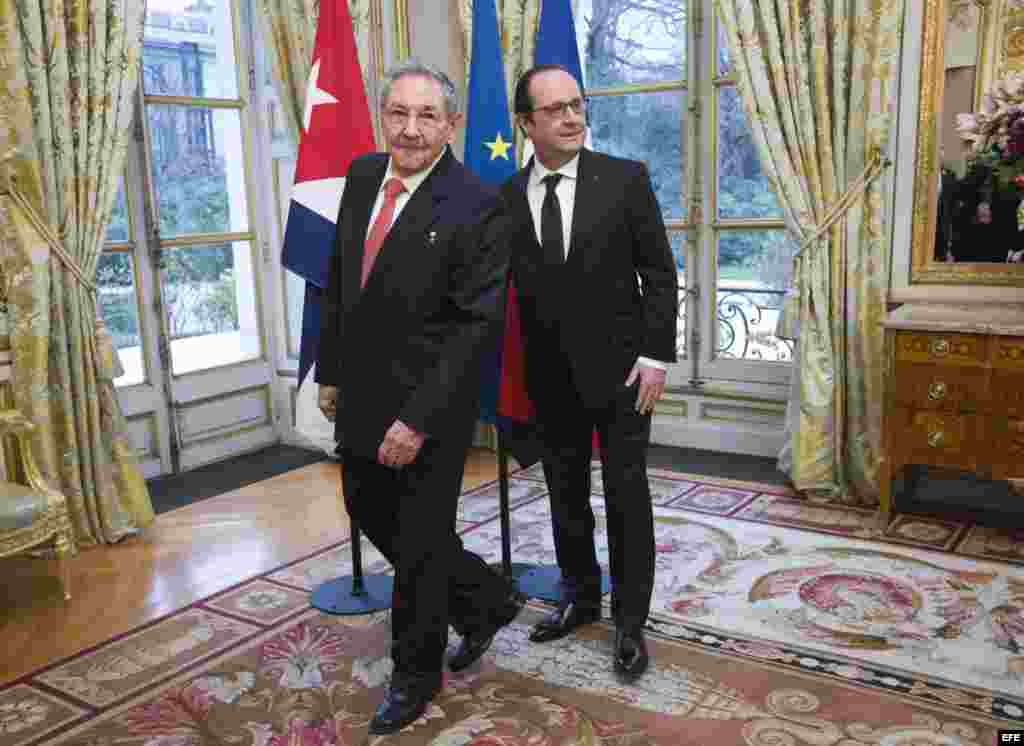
<point x="937" y="391"/>
<point x="940" y="347"/>
<point x="935" y="438"/>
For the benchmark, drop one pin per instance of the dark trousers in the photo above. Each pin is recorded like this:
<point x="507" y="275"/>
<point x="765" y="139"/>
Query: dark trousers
<point x="624" y="434"/>
<point x="409" y="514"/>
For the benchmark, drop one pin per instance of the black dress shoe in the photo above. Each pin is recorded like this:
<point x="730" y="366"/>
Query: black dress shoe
<point x="405" y="700"/>
<point x="631" y="657"/>
<point x="475" y="645"/>
<point x="563" y="620"/>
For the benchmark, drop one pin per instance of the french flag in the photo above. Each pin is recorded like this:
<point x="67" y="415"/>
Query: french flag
<point x="336" y="128"/>
<point x="555" y="44"/>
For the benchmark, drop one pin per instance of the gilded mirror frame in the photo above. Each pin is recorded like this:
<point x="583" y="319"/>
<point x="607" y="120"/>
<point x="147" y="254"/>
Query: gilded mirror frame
<point x="1002" y="30"/>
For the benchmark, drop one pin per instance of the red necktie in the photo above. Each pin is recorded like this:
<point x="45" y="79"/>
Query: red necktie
<point x="392" y="188"/>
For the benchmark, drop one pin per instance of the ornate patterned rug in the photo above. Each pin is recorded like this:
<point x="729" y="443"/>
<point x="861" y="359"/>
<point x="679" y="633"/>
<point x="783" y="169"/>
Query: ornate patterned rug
<point x="776" y="622"/>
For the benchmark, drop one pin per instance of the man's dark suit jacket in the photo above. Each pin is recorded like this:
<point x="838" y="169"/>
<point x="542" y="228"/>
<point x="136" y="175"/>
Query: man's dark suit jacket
<point x="973" y="241"/>
<point x="591" y="309"/>
<point x="948" y="187"/>
<point x="410" y="345"/>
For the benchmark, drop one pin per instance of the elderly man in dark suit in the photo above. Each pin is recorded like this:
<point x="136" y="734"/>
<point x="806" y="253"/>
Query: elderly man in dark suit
<point x="415" y="296"/>
<point x="597" y="342"/>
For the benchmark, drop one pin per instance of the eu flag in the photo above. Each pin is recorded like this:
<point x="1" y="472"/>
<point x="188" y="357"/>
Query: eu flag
<point x="489" y="147"/>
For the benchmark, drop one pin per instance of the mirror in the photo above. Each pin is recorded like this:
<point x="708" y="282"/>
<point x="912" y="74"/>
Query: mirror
<point x="968" y="208"/>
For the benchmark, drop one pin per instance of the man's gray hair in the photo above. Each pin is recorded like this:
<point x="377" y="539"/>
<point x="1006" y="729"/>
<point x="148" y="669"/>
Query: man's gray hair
<point x="413" y="66"/>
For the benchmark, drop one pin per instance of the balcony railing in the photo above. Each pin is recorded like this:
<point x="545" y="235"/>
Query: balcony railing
<point x="746" y="324"/>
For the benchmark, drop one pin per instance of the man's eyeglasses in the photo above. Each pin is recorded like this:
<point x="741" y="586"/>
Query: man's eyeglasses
<point x="427" y="119"/>
<point x="577" y="106"/>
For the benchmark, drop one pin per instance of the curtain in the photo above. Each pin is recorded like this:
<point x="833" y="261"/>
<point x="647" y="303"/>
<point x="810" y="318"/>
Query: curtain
<point x="68" y="75"/>
<point x="290" y="30"/>
<point x="818" y="82"/>
<point x="518" y="30"/>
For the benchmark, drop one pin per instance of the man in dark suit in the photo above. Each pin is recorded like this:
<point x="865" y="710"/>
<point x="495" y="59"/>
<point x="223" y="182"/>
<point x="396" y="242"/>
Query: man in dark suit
<point x="414" y="298"/>
<point x="597" y="343"/>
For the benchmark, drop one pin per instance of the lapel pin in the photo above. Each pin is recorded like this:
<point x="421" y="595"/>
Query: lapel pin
<point x="432" y="237"/>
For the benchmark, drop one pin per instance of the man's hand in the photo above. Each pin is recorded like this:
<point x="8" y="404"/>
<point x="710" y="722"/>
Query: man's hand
<point x="652" y="384"/>
<point x="400" y="446"/>
<point x="327" y="400"/>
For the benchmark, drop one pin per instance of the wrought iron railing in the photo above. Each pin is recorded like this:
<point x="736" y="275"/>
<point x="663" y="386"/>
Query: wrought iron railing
<point x="746" y="324"/>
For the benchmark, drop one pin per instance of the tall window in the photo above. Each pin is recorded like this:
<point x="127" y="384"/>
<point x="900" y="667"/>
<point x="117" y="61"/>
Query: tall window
<point x="116" y="285"/>
<point x="661" y="87"/>
<point x="196" y="163"/>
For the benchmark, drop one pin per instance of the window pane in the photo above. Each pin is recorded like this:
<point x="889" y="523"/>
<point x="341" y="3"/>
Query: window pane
<point x="753" y="273"/>
<point x="189" y="49"/>
<point x="198" y="169"/>
<point x="677" y="240"/>
<point x="119" y="309"/>
<point x="622" y="41"/>
<point x="647" y="127"/>
<point x="117" y="228"/>
<point x="209" y="295"/>
<point x="295" y="298"/>
<point x="743" y="190"/>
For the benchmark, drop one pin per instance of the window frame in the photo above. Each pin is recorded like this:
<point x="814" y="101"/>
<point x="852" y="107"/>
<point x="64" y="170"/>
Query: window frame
<point x="700" y="224"/>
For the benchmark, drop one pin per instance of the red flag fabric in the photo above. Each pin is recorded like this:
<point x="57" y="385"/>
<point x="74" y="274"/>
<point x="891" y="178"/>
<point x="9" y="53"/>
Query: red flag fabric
<point x="513" y="399"/>
<point x="336" y="124"/>
<point x="336" y="128"/>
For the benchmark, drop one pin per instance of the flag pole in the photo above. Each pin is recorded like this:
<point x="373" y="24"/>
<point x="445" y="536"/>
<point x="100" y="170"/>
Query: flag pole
<point x="534" y="581"/>
<point x="357" y="593"/>
<point x="543" y="582"/>
<point x="506" y="528"/>
<point x="514" y="572"/>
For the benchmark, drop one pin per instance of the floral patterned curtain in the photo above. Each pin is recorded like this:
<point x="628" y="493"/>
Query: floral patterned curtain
<point x="290" y="28"/>
<point x="68" y="75"/>
<point x="818" y="82"/>
<point x="518" y="30"/>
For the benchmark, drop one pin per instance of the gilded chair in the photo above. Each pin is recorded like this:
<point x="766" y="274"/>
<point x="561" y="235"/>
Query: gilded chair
<point x="32" y="514"/>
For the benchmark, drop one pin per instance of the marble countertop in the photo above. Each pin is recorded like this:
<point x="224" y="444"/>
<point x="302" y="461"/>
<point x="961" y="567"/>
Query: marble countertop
<point x="979" y="318"/>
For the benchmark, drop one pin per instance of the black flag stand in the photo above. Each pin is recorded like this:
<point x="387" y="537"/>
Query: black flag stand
<point x="534" y="581"/>
<point x="354" y="594"/>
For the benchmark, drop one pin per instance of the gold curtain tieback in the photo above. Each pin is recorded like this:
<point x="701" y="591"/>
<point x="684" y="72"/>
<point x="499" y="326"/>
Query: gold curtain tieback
<point x="847" y="199"/>
<point x="787" y="326"/>
<point x="110" y="362"/>
<point x="44" y="229"/>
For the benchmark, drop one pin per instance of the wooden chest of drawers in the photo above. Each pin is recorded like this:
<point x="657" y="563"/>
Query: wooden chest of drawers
<point x="954" y="392"/>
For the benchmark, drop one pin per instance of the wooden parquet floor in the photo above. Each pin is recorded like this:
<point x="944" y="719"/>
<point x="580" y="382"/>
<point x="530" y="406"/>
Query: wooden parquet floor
<point x="186" y="555"/>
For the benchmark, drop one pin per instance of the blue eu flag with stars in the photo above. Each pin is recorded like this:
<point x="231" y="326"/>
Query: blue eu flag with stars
<point x="489" y="148"/>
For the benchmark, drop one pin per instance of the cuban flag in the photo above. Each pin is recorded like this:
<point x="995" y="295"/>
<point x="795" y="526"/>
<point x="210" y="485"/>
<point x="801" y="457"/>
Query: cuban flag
<point x="336" y="128"/>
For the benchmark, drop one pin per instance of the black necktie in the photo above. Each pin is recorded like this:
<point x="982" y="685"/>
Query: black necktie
<point x="551" y="223"/>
